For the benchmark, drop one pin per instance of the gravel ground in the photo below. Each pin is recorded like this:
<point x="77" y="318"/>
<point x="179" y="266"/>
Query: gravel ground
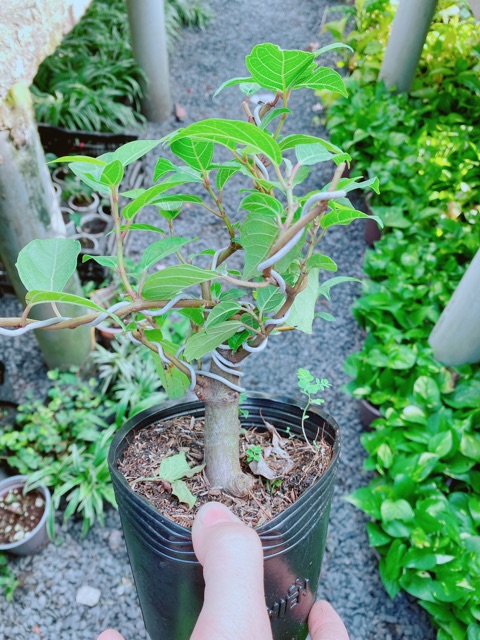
<point x="45" y="605"/>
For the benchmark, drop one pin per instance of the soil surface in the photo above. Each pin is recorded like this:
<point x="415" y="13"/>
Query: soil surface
<point x="19" y="514"/>
<point x="293" y="466"/>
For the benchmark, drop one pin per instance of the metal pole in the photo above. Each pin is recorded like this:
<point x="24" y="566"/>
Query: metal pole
<point x="455" y="338"/>
<point x="149" y="43"/>
<point x="404" y="48"/>
<point x="29" y="210"/>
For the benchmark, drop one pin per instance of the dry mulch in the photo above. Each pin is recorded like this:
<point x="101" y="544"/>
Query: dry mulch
<point x="144" y="454"/>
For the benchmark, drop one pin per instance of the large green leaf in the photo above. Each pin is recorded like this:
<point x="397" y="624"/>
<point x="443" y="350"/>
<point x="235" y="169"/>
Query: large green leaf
<point x="396" y="510"/>
<point x="231" y="133"/>
<point x="174" y="381"/>
<point x="278" y="69"/>
<point x="161" y="249"/>
<point x="37" y="297"/>
<point x="221" y="312"/>
<point x="196" y="153"/>
<point x="47" y="265"/>
<point x="257" y="202"/>
<point x="165" y="284"/>
<point x="310" y="154"/>
<point x="303" y="309"/>
<point x="130" y="151"/>
<point x="176" y="467"/>
<point x="269" y="299"/>
<point x="257" y="236"/>
<point x="201" y="343"/>
<point x="325" y="78"/>
<point x="341" y="215"/>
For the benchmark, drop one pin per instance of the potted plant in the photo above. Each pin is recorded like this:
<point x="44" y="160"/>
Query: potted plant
<point x="23" y="516"/>
<point x="263" y="278"/>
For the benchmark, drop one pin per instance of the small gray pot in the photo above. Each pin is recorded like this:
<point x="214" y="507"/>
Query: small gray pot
<point x="36" y="539"/>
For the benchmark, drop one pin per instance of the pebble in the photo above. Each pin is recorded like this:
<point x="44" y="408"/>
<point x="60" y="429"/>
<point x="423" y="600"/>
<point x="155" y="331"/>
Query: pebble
<point x="20" y="535"/>
<point x="39" y="502"/>
<point x="115" y="540"/>
<point x="88" y="596"/>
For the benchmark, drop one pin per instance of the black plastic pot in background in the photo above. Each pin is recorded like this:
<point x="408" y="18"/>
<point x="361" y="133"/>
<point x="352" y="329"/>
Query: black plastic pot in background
<point x="64" y="142"/>
<point x="169" y="579"/>
<point x="368" y="412"/>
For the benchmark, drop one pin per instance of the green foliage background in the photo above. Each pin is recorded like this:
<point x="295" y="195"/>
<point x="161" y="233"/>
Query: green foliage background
<point x="424" y="501"/>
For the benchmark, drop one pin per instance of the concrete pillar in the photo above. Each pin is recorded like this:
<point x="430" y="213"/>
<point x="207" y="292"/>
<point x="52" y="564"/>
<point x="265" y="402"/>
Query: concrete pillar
<point x="409" y="31"/>
<point x="29" y="210"/>
<point x="149" y="42"/>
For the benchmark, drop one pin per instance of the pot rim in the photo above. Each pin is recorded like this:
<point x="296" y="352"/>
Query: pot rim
<point x="146" y="417"/>
<point x="14" y="482"/>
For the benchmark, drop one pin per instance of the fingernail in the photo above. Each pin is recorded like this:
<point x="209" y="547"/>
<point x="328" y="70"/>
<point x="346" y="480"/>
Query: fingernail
<point x="214" y="513"/>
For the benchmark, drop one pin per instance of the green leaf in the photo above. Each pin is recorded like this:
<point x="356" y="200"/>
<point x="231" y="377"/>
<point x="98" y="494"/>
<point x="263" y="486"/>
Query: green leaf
<point x="170" y="202"/>
<point x="174" y="381"/>
<point x="269" y="299"/>
<point x="366" y="500"/>
<point x="130" y="151"/>
<point x="396" y="510"/>
<point x="261" y="203"/>
<point x="466" y="395"/>
<point x="441" y="444"/>
<point x="195" y="153"/>
<point x="310" y="154"/>
<point x="141" y="226"/>
<point x="271" y="115"/>
<point x="231" y="83"/>
<point x="176" y="467"/>
<point x="223" y="176"/>
<point x="325" y="287"/>
<point x="278" y="69"/>
<point x="470" y="445"/>
<point x="319" y="261"/>
<point x="302" y="311"/>
<point x="343" y="216"/>
<point x="231" y="133"/>
<point x="161" y="249"/>
<point x="150" y="195"/>
<point x="221" y="312"/>
<point x="163" y="167"/>
<point x="426" y="391"/>
<point x="47" y="265"/>
<point x="324" y="78"/>
<point x="376" y="537"/>
<point x="81" y="159"/>
<point x="106" y="261"/>
<point x="257" y="236"/>
<point x="330" y="47"/>
<point x="37" y="297"/>
<point x="390" y="568"/>
<point x="201" y="343"/>
<point x="295" y="139"/>
<point x="165" y="284"/>
<point x="112" y="175"/>
<point x="183" y="493"/>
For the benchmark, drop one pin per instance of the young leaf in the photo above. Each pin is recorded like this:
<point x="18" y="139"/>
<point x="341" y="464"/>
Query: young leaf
<point x="293" y="140"/>
<point x="319" y="261"/>
<point x="278" y="69"/>
<point x="303" y="309"/>
<point x="47" y="265"/>
<point x="112" y="174"/>
<point x="106" y="261"/>
<point x="161" y="249"/>
<point x="231" y="83"/>
<point x="162" y="167"/>
<point x="257" y="236"/>
<point x="81" y="159"/>
<point x="271" y="115"/>
<point x="257" y="202"/>
<point x="324" y="289"/>
<point x="141" y="226"/>
<point x="37" y="297"/>
<point x="269" y="299"/>
<point x="330" y="47"/>
<point x="150" y="195"/>
<point x="310" y="154"/>
<point x="324" y="78"/>
<point x="201" y="343"/>
<point x="130" y="151"/>
<point x="165" y="284"/>
<point x="195" y="153"/>
<point x="221" y="312"/>
<point x="231" y="133"/>
<point x="223" y="176"/>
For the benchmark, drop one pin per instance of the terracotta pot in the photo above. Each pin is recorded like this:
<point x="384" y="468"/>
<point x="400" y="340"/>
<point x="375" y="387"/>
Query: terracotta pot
<point x="35" y="540"/>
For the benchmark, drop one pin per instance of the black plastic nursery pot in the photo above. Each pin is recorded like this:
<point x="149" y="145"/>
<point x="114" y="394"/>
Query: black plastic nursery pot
<point x="168" y="578"/>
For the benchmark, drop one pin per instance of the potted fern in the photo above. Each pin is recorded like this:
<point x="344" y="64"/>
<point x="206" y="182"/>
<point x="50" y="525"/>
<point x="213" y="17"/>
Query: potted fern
<point x="262" y="278"/>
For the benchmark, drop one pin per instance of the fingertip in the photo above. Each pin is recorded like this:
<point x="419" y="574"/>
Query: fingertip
<point x="110" y="634"/>
<point x="214" y="513"/>
<point x="324" y="623"/>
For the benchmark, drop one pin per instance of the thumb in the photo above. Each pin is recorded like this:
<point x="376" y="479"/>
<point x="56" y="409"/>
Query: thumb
<point x="232" y="558"/>
<point x="324" y="623"/>
<point x="110" y="634"/>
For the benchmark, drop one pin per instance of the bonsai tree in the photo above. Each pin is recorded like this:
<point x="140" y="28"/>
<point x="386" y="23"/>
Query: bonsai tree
<point x="232" y="309"/>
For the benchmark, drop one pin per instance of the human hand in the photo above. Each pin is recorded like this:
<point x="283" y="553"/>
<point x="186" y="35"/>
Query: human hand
<point x="232" y="559"/>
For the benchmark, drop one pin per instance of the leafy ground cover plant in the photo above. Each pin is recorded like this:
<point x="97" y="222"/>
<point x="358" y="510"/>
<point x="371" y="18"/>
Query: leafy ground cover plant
<point x="92" y="82"/>
<point x="232" y="310"/>
<point x="425" y="449"/>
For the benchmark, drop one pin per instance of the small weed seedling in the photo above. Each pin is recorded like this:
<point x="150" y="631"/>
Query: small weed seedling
<point x="254" y="453"/>
<point x="310" y="386"/>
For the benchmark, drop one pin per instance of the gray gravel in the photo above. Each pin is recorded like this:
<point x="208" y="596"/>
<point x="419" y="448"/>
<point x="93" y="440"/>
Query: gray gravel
<point x="45" y="605"/>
